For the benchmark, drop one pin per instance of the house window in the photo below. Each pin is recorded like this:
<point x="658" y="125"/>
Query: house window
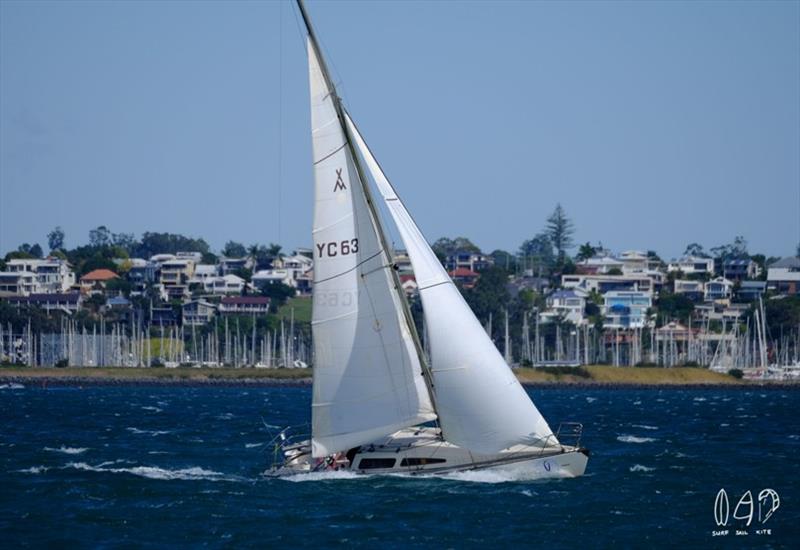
<point x="421" y="461"/>
<point x="372" y="463"/>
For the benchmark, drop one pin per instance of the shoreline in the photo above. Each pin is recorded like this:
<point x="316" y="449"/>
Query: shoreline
<point x="600" y="377"/>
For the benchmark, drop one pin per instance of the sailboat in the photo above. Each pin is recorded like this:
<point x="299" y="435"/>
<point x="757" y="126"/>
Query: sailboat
<point x="380" y="405"/>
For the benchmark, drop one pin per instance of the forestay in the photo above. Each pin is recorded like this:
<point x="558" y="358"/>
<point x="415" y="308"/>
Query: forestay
<point x="480" y="403"/>
<point x="368" y="379"/>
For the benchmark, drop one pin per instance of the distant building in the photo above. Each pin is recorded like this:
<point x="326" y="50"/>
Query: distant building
<point x="17" y="283"/>
<point x="465" y="277"/>
<point x="598" y="265"/>
<point x="751" y="290"/>
<point x="694" y="290"/>
<point x="266" y="277"/>
<point x="540" y="285"/>
<point x="66" y="302"/>
<point x="198" y="312"/>
<point x="227" y="284"/>
<point x="569" y="304"/>
<point x="175" y="277"/>
<point x="244" y="305"/>
<point x="464" y="259"/>
<point x="142" y="273"/>
<point x="740" y="270"/>
<point x="783" y="277"/>
<point x="232" y="265"/>
<point x="607" y="283"/>
<point x="95" y="281"/>
<point x="691" y="265"/>
<point x="719" y="289"/>
<point x="51" y="275"/>
<point x="409" y="284"/>
<point x="634" y="261"/>
<point x="163" y="316"/>
<point x="626" y="309"/>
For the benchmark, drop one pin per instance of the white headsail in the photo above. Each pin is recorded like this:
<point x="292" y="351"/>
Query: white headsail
<point x="480" y="403"/>
<point x="368" y="379"/>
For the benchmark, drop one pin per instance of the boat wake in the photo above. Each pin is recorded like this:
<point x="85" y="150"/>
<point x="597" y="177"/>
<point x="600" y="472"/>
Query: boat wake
<point x="324" y="476"/>
<point x="194" y="473"/>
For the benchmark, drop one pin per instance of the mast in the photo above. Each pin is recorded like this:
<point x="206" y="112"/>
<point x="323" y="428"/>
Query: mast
<point x="340" y="113"/>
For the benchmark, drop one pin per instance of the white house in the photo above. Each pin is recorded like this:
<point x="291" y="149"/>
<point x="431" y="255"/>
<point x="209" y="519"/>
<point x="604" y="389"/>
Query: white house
<point x="626" y="309"/>
<point x="569" y="304"/>
<point x="52" y="275"/>
<point x="719" y="289"/>
<point x="783" y="276"/>
<point x="227" y="284"/>
<point x="690" y="265"/>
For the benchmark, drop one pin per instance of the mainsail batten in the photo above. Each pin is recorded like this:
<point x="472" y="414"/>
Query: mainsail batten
<point x="480" y="403"/>
<point x="367" y="376"/>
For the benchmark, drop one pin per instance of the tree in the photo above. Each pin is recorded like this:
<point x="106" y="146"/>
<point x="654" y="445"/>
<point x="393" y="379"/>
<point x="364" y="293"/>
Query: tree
<point x="55" y="239"/>
<point x="125" y="241"/>
<point x="99" y="237"/>
<point x="233" y="249"/>
<point x="504" y="259"/>
<point x="36" y="251"/>
<point x="585" y="252"/>
<point x="560" y="230"/>
<point x="490" y="294"/>
<point x="537" y="253"/>
<point x="168" y="243"/>
<point x="674" y="306"/>
<point x="695" y="249"/>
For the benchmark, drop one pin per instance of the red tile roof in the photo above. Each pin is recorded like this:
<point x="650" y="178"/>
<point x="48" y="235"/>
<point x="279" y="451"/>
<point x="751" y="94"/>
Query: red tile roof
<point x="463" y="272"/>
<point x="100" y="275"/>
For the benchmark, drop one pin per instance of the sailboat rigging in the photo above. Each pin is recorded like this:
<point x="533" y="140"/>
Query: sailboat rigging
<point x="374" y="390"/>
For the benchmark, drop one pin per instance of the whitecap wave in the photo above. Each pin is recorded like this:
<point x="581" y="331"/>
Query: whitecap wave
<point x="67" y="450"/>
<point x="634" y="439"/>
<point x="252" y="445"/>
<point x="645" y="426"/>
<point x="12" y="386"/>
<point x="34" y="470"/>
<point x="152" y="409"/>
<point x="147" y="432"/>
<point x="591" y="399"/>
<point x="640" y="468"/>
<point x="193" y="473"/>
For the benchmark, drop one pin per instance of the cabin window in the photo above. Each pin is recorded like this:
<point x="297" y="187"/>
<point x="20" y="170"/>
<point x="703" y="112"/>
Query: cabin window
<point x="371" y="463"/>
<point x="421" y="461"/>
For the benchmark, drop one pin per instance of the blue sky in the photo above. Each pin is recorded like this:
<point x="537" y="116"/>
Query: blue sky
<point x="655" y="124"/>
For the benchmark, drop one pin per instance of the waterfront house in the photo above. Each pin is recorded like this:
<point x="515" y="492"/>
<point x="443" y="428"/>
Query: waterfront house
<point x="566" y="304"/>
<point x="52" y="275"/>
<point x="296" y="265"/>
<point x="198" y="312"/>
<point x="751" y="290"/>
<point x="465" y="277"/>
<point x="606" y="283"/>
<point x="175" y="276"/>
<point x="540" y="285"/>
<point x="598" y="265"/>
<point x="626" y="309"/>
<point x="409" y="284"/>
<point x="232" y="265"/>
<point x="634" y="261"/>
<point x="740" y="269"/>
<point x="719" y="289"/>
<point x="95" y="281"/>
<point x="66" y="302"/>
<point x="17" y="283"/>
<point x="694" y="290"/>
<point x="465" y="259"/>
<point x="783" y="276"/>
<point x="227" y="284"/>
<point x="266" y="277"/>
<point x="244" y="305"/>
<point x="141" y="273"/>
<point x="693" y="265"/>
<point x="163" y="316"/>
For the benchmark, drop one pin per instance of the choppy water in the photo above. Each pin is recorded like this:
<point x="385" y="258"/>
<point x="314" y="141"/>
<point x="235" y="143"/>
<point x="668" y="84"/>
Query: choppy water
<point x="181" y="466"/>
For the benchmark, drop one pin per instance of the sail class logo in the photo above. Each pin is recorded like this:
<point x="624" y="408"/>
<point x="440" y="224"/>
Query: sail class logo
<point x="340" y="186"/>
<point x="744" y="513"/>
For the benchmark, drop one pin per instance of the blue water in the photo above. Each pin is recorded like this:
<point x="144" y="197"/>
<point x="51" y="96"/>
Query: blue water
<point x="180" y="466"/>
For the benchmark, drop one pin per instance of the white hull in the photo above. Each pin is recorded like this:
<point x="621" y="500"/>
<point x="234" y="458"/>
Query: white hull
<point x="422" y="452"/>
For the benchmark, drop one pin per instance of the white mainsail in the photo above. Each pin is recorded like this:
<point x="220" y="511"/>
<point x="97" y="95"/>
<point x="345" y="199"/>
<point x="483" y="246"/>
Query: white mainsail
<point x="480" y="403"/>
<point x="368" y="379"/>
